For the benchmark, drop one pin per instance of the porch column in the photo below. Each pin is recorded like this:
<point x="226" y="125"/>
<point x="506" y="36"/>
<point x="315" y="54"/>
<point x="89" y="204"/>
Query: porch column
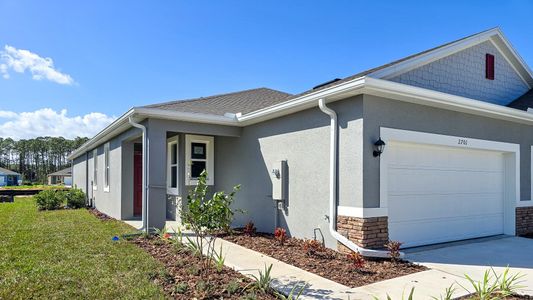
<point x="157" y="143"/>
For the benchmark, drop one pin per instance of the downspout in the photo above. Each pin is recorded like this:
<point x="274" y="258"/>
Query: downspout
<point x="334" y="144"/>
<point x="145" y="174"/>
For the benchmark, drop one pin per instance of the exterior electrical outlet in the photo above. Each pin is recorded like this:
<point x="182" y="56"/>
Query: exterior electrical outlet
<point x="279" y="180"/>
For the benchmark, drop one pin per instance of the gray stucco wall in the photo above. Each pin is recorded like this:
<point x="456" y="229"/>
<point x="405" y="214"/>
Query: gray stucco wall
<point x="303" y="140"/>
<point x="463" y="74"/>
<point x="79" y="169"/>
<point x="381" y="112"/>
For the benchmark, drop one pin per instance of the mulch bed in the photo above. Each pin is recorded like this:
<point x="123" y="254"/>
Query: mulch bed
<point x="183" y="269"/>
<point x="100" y="215"/>
<point x="328" y="263"/>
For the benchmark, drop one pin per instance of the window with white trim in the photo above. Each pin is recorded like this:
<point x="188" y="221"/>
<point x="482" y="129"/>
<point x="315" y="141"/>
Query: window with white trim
<point x="172" y="166"/>
<point x="199" y="155"/>
<point x="106" y="167"/>
<point x="95" y="169"/>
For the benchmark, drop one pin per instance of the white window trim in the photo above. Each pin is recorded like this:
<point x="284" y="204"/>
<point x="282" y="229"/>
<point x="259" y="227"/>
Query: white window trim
<point x="95" y="169"/>
<point x="173" y="141"/>
<point x="210" y="161"/>
<point x="107" y="167"/>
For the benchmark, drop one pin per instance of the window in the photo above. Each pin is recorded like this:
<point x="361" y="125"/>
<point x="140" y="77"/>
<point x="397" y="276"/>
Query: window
<point x="489" y="66"/>
<point x="199" y="154"/>
<point x="106" y="167"/>
<point x="95" y="169"/>
<point x="172" y="166"/>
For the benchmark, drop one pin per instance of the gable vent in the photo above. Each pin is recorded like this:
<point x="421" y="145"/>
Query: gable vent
<point x="489" y="66"/>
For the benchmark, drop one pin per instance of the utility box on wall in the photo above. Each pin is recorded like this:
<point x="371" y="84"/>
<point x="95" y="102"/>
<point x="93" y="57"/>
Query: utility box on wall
<point x="279" y="180"/>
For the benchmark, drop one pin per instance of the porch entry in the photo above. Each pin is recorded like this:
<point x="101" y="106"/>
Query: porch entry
<point x="137" y="179"/>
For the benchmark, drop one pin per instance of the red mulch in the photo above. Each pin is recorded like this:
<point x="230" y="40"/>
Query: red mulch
<point x="100" y="215"/>
<point x="184" y="268"/>
<point x="327" y="263"/>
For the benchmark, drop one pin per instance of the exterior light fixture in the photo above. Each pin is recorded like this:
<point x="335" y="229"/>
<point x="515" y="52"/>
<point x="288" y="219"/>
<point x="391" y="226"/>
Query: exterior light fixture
<point x="379" y="146"/>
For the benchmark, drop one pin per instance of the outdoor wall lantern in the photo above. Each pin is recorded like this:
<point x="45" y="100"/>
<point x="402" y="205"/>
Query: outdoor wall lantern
<point x="379" y="146"/>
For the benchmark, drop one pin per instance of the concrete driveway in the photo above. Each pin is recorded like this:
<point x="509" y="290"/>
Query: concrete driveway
<point x="448" y="263"/>
<point x="475" y="256"/>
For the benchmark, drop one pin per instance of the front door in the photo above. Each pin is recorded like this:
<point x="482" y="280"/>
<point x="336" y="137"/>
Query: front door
<point x="137" y="179"/>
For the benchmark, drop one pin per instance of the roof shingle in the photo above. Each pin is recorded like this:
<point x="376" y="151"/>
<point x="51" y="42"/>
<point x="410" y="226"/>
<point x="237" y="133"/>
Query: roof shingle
<point x="237" y="102"/>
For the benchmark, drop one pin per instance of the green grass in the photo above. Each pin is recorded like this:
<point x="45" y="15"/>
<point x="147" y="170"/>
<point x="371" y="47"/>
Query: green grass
<point x="33" y="187"/>
<point x="69" y="254"/>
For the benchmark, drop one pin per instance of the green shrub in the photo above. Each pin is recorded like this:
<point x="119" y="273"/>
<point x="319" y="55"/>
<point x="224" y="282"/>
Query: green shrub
<point x="75" y="198"/>
<point x="50" y="199"/>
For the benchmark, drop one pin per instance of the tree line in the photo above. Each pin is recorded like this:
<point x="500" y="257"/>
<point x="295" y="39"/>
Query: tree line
<point x="36" y="158"/>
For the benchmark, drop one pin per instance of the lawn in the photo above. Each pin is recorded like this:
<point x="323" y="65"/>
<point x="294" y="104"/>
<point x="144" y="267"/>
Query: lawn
<point x="69" y="254"/>
<point x="33" y="187"/>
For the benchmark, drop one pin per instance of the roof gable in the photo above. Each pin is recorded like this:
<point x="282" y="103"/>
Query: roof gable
<point x="494" y="36"/>
<point x="463" y="74"/>
<point x="7" y="172"/>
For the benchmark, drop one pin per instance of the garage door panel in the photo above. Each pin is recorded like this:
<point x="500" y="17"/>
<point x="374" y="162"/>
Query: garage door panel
<point x="413" y="181"/>
<point x="438" y="194"/>
<point x="450" y="229"/>
<point x="407" y="208"/>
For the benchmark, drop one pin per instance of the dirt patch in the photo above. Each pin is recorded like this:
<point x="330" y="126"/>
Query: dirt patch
<point x="182" y="280"/>
<point x="327" y="262"/>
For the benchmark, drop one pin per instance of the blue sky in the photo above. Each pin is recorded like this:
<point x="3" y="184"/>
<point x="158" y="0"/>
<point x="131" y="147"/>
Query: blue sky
<point x="111" y="55"/>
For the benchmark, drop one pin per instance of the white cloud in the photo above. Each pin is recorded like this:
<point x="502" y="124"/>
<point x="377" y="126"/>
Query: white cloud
<point x="48" y="122"/>
<point x="20" y="60"/>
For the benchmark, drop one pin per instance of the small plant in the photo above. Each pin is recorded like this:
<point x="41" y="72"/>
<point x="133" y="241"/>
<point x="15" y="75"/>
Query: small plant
<point x="219" y="259"/>
<point x="193" y="247"/>
<point x="75" y="198"/>
<point x="204" y="287"/>
<point x="49" y="199"/>
<point x="280" y="235"/>
<point x="193" y="270"/>
<point x="448" y="294"/>
<point x="249" y="229"/>
<point x="410" y="297"/>
<point x="233" y="286"/>
<point x="508" y="284"/>
<point x="181" y="288"/>
<point x="263" y="281"/>
<point x="357" y="260"/>
<point x="394" y="250"/>
<point x="313" y="247"/>
<point x="160" y="232"/>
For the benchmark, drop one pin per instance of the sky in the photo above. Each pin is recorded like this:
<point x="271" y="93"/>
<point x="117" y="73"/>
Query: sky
<point x="69" y="68"/>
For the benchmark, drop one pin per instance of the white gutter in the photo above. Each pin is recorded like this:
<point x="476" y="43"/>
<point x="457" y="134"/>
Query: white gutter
<point x="145" y="180"/>
<point x="333" y="188"/>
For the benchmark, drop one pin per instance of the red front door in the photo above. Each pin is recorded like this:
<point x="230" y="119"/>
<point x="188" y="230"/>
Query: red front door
<point x="137" y="181"/>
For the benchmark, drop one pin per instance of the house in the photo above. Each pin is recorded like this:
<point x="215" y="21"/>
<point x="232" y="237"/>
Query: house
<point x="9" y="178"/>
<point x="432" y="148"/>
<point x="61" y="177"/>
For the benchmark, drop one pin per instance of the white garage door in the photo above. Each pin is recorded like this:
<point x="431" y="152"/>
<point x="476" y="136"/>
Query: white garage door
<point x="439" y="194"/>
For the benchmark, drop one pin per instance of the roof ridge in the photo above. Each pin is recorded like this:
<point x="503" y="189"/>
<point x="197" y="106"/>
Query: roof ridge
<point x="213" y="96"/>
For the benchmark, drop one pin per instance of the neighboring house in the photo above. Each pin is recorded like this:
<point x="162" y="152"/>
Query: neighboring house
<point x="61" y="177"/>
<point x="456" y="162"/>
<point x="9" y="178"/>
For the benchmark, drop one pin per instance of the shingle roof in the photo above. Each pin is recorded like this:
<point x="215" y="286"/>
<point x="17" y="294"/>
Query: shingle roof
<point x="7" y="172"/>
<point x="64" y="172"/>
<point x="237" y="102"/>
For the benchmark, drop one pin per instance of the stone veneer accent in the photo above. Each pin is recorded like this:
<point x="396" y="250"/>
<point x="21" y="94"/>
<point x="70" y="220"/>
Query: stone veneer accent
<point x="370" y="233"/>
<point x="524" y="220"/>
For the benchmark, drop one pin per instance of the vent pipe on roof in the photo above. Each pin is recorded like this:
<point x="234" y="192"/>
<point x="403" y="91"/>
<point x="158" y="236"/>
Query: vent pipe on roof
<point x="145" y="180"/>
<point x="334" y="143"/>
